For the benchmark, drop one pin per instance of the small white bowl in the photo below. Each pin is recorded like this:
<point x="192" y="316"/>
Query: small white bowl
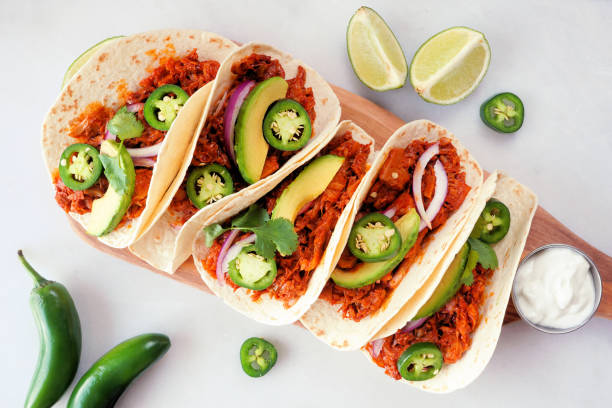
<point x="596" y="283"/>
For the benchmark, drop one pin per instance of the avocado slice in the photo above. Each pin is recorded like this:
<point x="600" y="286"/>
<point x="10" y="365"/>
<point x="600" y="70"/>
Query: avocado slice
<point x="367" y="273"/>
<point x="250" y="146"/>
<point x="107" y="211"/>
<point x="448" y="286"/>
<point x="307" y="186"/>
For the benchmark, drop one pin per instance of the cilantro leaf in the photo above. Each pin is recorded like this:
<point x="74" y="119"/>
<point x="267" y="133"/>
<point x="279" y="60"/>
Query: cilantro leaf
<point x="212" y="232"/>
<point x="114" y="170"/>
<point x="125" y="125"/>
<point x="275" y="234"/>
<point x="254" y="217"/>
<point x="467" y="278"/>
<point x="486" y="256"/>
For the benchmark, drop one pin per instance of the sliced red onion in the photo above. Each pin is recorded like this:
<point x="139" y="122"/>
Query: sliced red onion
<point x="109" y="136"/>
<point x="389" y="212"/>
<point x="144" y="161"/>
<point x="417" y="181"/>
<point x="231" y="114"/>
<point x="439" y="194"/>
<point x="376" y="346"/>
<point x="415" y="324"/>
<point x="229" y="252"/>
<point x="145" y="151"/>
<point x="134" y="107"/>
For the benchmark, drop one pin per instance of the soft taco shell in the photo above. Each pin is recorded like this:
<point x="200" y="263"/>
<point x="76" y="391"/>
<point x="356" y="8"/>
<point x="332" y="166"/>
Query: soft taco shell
<point x="165" y="246"/>
<point x="522" y="204"/>
<point x="114" y="70"/>
<point x="266" y="309"/>
<point x="323" y="318"/>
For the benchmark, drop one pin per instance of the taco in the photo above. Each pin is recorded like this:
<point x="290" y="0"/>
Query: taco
<point x="415" y="199"/>
<point x="117" y="134"/>
<point x="267" y="114"/>
<point x="309" y="208"/>
<point x="445" y="335"/>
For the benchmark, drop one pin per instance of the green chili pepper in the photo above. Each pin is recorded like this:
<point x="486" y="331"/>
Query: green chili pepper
<point x="163" y="105"/>
<point x="102" y="385"/>
<point x="59" y="330"/>
<point x="252" y="271"/>
<point x="257" y="356"/>
<point x="286" y="125"/>
<point x="80" y="166"/>
<point x="493" y="223"/>
<point x="208" y="184"/>
<point x="374" y="238"/>
<point x="420" y="362"/>
<point x="503" y="112"/>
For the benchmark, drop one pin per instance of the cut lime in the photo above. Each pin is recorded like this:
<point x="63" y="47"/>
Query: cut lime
<point x="83" y="58"/>
<point x="376" y="56"/>
<point x="450" y="65"/>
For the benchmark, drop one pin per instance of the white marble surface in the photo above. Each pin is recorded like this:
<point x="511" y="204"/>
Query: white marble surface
<point x="556" y="55"/>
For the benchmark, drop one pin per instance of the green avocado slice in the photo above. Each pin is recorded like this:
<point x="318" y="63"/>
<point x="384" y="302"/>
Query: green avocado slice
<point x="448" y="286"/>
<point x="367" y="273"/>
<point x="107" y="211"/>
<point x="307" y="186"/>
<point x="250" y="146"/>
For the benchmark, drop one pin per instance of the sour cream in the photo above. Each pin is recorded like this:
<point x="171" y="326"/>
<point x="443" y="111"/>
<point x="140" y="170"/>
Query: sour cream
<point x="554" y="288"/>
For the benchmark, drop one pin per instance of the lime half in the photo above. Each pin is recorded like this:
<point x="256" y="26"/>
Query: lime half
<point x="450" y="65"/>
<point x="376" y="56"/>
<point x="83" y="58"/>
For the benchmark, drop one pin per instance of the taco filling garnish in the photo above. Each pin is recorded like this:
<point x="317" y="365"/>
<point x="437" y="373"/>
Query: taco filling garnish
<point x="251" y="131"/>
<point x="108" y="169"/>
<point x="310" y="201"/>
<point x="441" y="331"/>
<point x="417" y="189"/>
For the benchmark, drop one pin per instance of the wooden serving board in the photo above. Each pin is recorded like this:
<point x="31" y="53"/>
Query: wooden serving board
<point x="380" y="124"/>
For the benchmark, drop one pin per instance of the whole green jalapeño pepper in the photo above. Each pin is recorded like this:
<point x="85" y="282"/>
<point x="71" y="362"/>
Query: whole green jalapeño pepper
<point x="286" y="125"/>
<point x="257" y="356"/>
<point x="503" y="112"/>
<point x="374" y="238"/>
<point x="59" y="329"/>
<point x="163" y="105"/>
<point x="102" y="385"/>
<point x="420" y="362"/>
<point x="208" y="184"/>
<point x="252" y="271"/>
<point x="80" y="166"/>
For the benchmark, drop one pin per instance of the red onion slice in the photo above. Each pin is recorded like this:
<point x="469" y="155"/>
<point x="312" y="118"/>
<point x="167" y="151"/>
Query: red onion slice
<point x="229" y="252"/>
<point x="109" y="136"/>
<point x="144" y="161"/>
<point x="439" y="194"/>
<point x="306" y="207"/>
<point x="145" y="151"/>
<point x="231" y="113"/>
<point x="134" y="107"/>
<point x="389" y="212"/>
<point x="415" y="324"/>
<point x="376" y="347"/>
<point x="417" y="181"/>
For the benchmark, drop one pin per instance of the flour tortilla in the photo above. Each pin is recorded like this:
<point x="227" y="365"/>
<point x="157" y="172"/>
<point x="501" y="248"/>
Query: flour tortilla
<point x="522" y="204"/>
<point x="323" y="319"/>
<point x="166" y="247"/>
<point x="268" y="310"/>
<point x="121" y="65"/>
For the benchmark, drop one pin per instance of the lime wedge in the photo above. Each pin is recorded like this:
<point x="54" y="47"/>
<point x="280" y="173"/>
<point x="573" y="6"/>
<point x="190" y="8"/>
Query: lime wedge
<point x="450" y="65"/>
<point x="376" y="56"/>
<point x="83" y="58"/>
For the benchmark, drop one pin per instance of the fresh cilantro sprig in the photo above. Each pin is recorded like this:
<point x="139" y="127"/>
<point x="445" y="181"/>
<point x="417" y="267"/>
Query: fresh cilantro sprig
<point x="270" y="235"/>
<point x="125" y="125"/>
<point x="486" y="255"/>
<point x="114" y="170"/>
